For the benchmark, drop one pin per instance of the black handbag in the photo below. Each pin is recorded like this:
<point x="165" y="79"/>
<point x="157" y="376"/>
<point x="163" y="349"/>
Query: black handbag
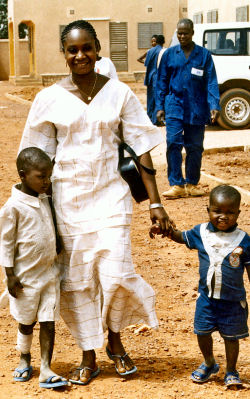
<point x="129" y="170"/>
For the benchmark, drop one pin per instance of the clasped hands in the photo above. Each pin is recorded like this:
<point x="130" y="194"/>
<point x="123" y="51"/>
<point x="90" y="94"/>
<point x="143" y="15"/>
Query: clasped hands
<point x="161" y="223"/>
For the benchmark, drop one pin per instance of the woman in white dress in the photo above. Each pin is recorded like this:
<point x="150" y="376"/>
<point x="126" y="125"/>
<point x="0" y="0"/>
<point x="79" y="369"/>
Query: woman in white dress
<point x="104" y="65"/>
<point x="76" y="121"/>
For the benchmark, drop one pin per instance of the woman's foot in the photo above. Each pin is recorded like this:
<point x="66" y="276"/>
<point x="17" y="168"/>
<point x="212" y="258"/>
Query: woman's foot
<point x="124" y="365"/>
<point x="87" y="370"/>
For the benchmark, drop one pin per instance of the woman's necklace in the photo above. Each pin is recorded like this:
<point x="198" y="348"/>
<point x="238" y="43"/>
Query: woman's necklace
<point x="89" y="96"/>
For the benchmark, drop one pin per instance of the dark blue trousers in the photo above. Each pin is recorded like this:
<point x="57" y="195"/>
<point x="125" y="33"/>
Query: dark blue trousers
<point x="190" y="137"/>
<point x="151" y="103"/>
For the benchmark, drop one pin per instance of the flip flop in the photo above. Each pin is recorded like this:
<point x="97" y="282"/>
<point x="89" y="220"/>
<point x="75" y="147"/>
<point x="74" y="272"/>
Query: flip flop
<point x="22" y="371"/>
<point x="50" y="384"/>
<point x="94" y="373"/>
<point x="232" y="378"/>
<point x="199" y="377"/>
<point x="122" y="359"/>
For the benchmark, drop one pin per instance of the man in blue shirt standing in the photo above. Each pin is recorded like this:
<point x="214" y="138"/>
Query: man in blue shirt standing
<point x="151" y="75"/>
<point x="187" y="96"/>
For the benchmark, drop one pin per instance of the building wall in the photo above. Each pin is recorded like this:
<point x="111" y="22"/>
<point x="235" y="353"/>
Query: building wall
<point x="47" y="15"/>
<point x="4" y="58"/>
<point x="226" y="8"/>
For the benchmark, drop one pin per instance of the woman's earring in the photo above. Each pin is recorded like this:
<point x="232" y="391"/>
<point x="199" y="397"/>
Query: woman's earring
<point x="66" y="63"/>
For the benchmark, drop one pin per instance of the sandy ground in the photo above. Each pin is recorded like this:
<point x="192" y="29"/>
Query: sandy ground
<point x="165" y="358"/>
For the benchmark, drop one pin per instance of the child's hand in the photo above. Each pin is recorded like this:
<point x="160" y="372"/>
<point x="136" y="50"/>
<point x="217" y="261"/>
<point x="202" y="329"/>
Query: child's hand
<point x="155" y="229"/>
<point x="14" y="285"/>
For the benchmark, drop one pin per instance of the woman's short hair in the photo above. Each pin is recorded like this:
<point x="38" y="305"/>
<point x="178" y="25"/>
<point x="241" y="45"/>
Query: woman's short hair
<point x="79" y="24"/>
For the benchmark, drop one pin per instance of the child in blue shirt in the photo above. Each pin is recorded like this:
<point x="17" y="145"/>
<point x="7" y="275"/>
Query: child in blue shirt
<point x="224" y="253"/>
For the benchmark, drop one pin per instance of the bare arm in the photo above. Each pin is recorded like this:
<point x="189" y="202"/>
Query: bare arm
<point x="141" y="59"/>
<point x="157" y="214"/>
<point x="173" y="234"/>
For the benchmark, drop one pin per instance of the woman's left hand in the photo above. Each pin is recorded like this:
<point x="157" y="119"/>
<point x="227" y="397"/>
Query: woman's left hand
<point x="160" y="215"/>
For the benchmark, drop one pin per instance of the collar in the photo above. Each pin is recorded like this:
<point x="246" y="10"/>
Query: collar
<point x="179" y="49"/>
<point x="26" y="198"/>
<point x="214" y="229"/>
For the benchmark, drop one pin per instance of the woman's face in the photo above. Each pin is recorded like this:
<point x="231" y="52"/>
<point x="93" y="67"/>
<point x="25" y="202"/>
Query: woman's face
<point x="80" y="51"/>
<point x="153" y="42"/>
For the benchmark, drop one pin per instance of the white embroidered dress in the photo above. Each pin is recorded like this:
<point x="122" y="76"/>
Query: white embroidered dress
<point x="93" y="205"/>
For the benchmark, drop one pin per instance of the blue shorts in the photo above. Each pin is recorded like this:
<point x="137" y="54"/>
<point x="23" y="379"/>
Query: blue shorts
<point x="227" y="317"/>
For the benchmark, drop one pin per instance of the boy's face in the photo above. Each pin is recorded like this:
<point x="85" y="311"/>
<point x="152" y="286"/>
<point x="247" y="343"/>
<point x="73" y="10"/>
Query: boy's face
<point x="223" y="212"/>
<point x="36" y="181"/>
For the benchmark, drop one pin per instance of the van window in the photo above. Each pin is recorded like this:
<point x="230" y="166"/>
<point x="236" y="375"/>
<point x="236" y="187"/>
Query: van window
<point x="227" y="42"/>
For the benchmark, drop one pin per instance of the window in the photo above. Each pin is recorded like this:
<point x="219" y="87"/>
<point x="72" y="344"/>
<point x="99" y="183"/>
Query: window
<point x="146" y="30"/>
<point x="61" y="27"/>
<point x="227" y="42"/>
<point x="212" y="16"/>
<point x="198" y="18"/>
<point x="242" y="14"/>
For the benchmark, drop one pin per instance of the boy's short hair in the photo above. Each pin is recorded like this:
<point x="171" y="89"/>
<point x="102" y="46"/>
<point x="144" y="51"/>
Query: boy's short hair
<point x="225" y="191"/>
<point x="31" y="158"/>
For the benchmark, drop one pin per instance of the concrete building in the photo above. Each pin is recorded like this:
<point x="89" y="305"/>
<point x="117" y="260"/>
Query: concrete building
<point x="203" y="11"/>
<point x="124" y="29"/>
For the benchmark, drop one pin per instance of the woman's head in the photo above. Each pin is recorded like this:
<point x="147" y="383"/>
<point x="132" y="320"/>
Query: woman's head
<point x="153" y="40"/>
<point x="80" y="44"/>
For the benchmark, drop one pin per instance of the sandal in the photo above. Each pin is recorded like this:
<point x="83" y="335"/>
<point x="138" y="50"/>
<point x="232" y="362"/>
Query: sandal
<point x="123" y="362"/>
<point x="93" y="373"/>
<point x="200" y="377"/>
<point x="232" y="378"/>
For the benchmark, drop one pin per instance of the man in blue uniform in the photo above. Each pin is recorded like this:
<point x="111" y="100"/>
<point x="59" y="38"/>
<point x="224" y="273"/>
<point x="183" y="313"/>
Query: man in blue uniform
<point x="150" y="77"/>
<point x="187" y="96"/>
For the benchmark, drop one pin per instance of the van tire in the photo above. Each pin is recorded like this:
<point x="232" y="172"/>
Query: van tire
<point x="232" y="103"/>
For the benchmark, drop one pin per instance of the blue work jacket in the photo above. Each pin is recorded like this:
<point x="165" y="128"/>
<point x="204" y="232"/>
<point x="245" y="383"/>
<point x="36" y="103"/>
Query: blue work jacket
<point x="187" y="89"/>
<point x="151" y="64"/>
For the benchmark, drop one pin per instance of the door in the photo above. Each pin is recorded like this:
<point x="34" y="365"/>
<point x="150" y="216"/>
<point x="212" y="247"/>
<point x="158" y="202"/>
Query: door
<point x="118" y="34"/>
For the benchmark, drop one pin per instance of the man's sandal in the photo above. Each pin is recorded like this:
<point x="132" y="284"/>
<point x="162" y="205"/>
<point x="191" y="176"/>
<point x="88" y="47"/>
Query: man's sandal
<point x="200" y="377"/>
<point x="123" y="362"/>
<point x="232" y="378"/>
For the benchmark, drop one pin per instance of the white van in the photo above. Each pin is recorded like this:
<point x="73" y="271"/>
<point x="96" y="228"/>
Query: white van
<point x="229" y="44"/>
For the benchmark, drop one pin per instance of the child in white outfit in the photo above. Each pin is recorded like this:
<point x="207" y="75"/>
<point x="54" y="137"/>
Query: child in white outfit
<point x="27" y="253"/>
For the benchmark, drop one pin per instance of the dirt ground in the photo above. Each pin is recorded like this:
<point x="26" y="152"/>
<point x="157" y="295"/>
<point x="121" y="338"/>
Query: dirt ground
<point x="165" y="358"/>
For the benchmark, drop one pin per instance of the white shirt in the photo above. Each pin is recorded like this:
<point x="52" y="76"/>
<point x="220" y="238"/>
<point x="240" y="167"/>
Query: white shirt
<point x="27" y="237"/>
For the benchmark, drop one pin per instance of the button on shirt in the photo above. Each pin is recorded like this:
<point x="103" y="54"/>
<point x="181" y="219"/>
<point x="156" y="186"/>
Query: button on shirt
<point x="222" y="254"/>
<point x="27" y="237"/>
<point x="187" y="88"/>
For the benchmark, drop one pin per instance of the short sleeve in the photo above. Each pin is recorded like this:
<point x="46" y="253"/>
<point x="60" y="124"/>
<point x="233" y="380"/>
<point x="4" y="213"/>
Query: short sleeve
<point x="39" y="131"/>
<point x="246" y="251"/>
<point x="192" y="237"/>
<point x="138" y="130"/>
<point x="8" y="224"/>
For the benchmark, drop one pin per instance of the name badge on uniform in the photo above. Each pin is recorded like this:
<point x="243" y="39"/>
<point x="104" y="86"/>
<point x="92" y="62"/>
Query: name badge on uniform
<point x="197" y="72"/>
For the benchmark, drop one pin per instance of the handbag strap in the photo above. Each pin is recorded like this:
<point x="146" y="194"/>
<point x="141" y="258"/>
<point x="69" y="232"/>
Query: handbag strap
<point x="124" y="146"/>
